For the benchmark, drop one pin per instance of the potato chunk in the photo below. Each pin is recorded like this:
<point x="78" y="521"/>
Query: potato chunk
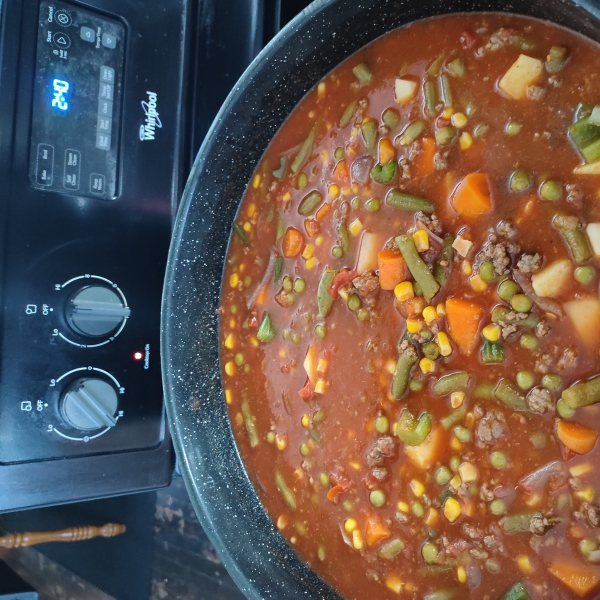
<point x="551" y="280"/>
<point x="370" y="245"/>
<point x="405" y="90"/>
<point x="588" y="169"/>
<point x="585" y="316"/>
<point x="525" y="71"/>
<point x="593" y="233"/>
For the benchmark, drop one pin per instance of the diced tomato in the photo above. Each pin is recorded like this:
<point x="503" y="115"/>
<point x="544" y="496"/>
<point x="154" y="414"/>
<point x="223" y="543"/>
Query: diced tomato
<point x="342" y="278"/>
<point x="335" y="493"/>
<point x="467" y="39"/>
<point x="442" y="122"/>
<point x="307" y="392"/>
<point x="311" y="227"/>
<point x="253" y="320"/>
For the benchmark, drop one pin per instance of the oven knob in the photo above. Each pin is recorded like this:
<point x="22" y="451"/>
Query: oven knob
<point x="89" y="403"/>
<point x="96" y="311"/>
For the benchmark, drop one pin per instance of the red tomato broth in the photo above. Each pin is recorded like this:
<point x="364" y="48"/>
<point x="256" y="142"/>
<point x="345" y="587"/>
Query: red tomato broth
<point x="358" y="379"/>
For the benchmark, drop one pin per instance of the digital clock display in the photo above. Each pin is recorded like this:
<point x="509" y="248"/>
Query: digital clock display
<point x="60" y="91"/>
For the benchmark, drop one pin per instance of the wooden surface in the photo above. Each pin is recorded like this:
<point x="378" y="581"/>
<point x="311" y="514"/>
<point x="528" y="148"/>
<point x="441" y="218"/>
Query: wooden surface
<point x="72" y="534"/>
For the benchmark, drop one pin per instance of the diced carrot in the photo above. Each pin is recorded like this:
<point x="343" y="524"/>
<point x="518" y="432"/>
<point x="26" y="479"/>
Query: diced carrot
<point x="376" y="530"/>
<point x="341" y="171"/>
<point x="261" y="298"/>
<point x="387" y="152"/>
<point x="464" y="318"/>
<point x="334" y="494"/>
<point x="292" y="243"/>
<point x="450" y="181"/>
<point x="323" y="211"/>
<point x="307" y="392"/>
<point x="425" y="455"/>
<point x="311" y="226"/>
<point x="423" y="162"/>
<point x="392" y="269"/>
<point x="471" y="197"/>
<point x="579" y="438"/>
<point x="579" y="578"/>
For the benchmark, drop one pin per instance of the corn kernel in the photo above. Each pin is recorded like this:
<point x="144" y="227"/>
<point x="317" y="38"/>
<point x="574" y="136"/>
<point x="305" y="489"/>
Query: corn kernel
<point x="242" y="267"/>
<point x="229" y="342"/>
<point x="346" y="191"/>
<point x="586" y="494"/>
<point x="579" y="470"/>
<point x="228" y="396"/>
<point x="492" y="332"/>
<point x="525" y="564"/>
<point x="432" y="517"/>
<point x="320" y="386"/>
<point x="444" y="343"/>
<point x="308" y="251"/>
<point x="281" y="441"/>
<point x="234" y="279"/>
<point x="421" y="239"/>
<point x="459" y="120"/>
<point x="254" y="342"/>
<point x="418" y="489"/>
<point x="467" y="268"/>
<point x="321" y="89"/>
<point x="286" y="197"/>
<point x="426" y="365"/>
<point x="282" y="353"/>
<point x="441" y="309"/>
<point x="251" y="209"/>
<point x="353" y="463"/>
<point x="230" y="368"/>
<point x="447" y="114"/>
<point x="465" y="141"/>
<point x="355" y="227"/>
<point x="256" y="181"/>
<point x="350" y="525"/>
<point x="357" y="539"/>
<point x="319" y="241"/>
<point x="333" y="191"/>
<point x="468" y="472"/>
<point x="461" y="574"/>
<point x="534" y="500"/>
<point x="470" y="420"/>
<point x="403" y="506"/>
<point x="455" y="444"/>
<point x="462" y="245"/>
<point x="311" y="114"/>
<point x="231" y="323"/>
<point x="478" y="284"/>
<point x="455" y="482"/>
<point x="390" y="366"/>
<point x="355" y="188"/>
<point x="247" y="227"/>
<point x="430" y="315"/>
<point x="299" y="475"/>
<point x="394" y="583"/>
<point x="456" y="399"/>
<point x="452" y="509"/>
<point x="239" y="419"/>
<point x="282" y="522"/>
<point x="311" y="263"/>
<point x="414" y="325"/>
<point x="404" y="291"/>
<point x="305" y="420"/>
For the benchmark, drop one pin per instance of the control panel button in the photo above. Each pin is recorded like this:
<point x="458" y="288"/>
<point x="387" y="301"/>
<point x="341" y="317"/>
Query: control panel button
<point x="103" y="141"/>
<point x="61" y="40"/>
<point x="89" y="403"/>
<point x="97" y="183"/>
<point x="107" y="91"/>
<point x="87" y="34"/>
<point x="45" y="164"/>
<point x="105" y="108"/>
<point x="109" y="40"/>
<point x="96" y="311"/>
<point x="107" y="74"/>
<point x="63" y="18"/>
<point x="72" y="169"/>
<point x="104" y="125"/>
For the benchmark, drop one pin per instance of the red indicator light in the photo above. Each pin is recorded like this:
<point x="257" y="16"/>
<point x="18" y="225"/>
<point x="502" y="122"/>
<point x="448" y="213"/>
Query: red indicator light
<point x="138" y="355"/>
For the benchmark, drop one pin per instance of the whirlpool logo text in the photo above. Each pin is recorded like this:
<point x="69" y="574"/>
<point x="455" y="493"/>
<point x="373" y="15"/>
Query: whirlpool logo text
<point x="152" y="122"/>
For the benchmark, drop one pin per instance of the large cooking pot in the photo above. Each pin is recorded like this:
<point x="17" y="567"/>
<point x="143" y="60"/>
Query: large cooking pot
<point x="327" y="32"/>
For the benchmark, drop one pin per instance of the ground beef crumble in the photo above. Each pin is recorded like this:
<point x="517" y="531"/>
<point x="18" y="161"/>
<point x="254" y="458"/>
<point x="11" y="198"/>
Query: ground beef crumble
<point x="540" y="400"/>
<point x="383" y="448"/>
<point x="539" y="525"/>
<point x="542" y="329"/>
<point x="530" y="263"/>
<point x="591" y="514"/>
<point x="568" y="359"/>
<point x="431" y="222"/>
<point x="491" y="428"/>
<point x="500" y="253"/>
<point x="366" y="284"/>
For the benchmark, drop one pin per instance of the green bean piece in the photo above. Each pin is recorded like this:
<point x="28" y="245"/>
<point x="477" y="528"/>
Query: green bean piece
<point x="568" y="227"/>
<point x="507" y="289"/>
<point x="585" y="275"/>
<point x="278" y="270"/>
<point x="309" y="203"/>
<point x="456" y="67"/>
<point x="429" y="553"/>
<point x="440" y="595"/>
<point x="551" y="190"/>
<point x="430" y="98"/>
<point x="595" y="115"/>
<point x="498" y="460"/>
<point x="354" y="302"/>
<point x="516" y="592"/>
<point x="286" y="492"/>
<point x="552" y="382"/>
<point x="453" y="382"/>
<point x="492" y="353"/>
<point x="413" y="431"/>
<point x="583" y="133"/>
<point x="302" y="181"/>
<point x="399" y="199"/>
<point x="417" y="289"/>
<point x="411" y="133"/>
<point x="521" y="303"/>
<point x="406" y="361"/>
<point x="510" y="395"/>
<point x="455" y="417"/>
<point x="564" y="410"/>
<point x="525" y="380"/>
<point x="266" y="332"/>
<point x="391" y="549"/>
<point x="415" y="385"/>
<point x="583" y="111"/>
<point x="337" y="252"/>
<point x="373" y="204"/>
<point x="344" y="238"/>
<point x="339" y="153"/>
<point x="446" y="92"/>
<point x="592" y="152"/>
<point x="517" y="523"/>
<point x="348" y="113"/>
<point x="324" y="300"/>
<point x="520" y="181"/>
<point x="556" y="59"/>
<point x="391" y="117"/>
<point x="480" y="130"/>
<point x="463" y="434"/>
<point x="486" y="271"/>
<point x="304" y="152"/>
<point x="419" y="269"/>
<point x="443" y="262"/>
<point x="362" y="73"/>
<point x="377" y="498"/>
<point x="435" y="66"/>
<point x="431" y="350"/>
<point x="280" y="171"/>
<point x="484" y="391"/>
<point x="241" y="234"/>
<point x="528" y="341"/>
<point x="445" y="135"/>
<point x="369" y="133"/>
<point x="442" y="475"/>
<point x="249" y="423"/>
<point x="582" y="394"/>
<point x="384" y="174"/>
<point x="497" y="507"/>
<point x="512" y="128"/>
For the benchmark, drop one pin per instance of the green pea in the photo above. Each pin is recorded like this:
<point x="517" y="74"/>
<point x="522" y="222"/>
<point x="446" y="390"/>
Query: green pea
<point x="499" y="313"/>
<point x="321" y="331"/>
<point x="355" y="203"/>
<point x="246" y="368"/>
<point x="564" y="410"/>
<point x="552" y="381"/>
<point x="324" y="479"/>
<point x="348" y="506"/>
<point x="463" y="434"/>
<point x="295" y="338"/>
<point x="354" y="302"/>
<point x="525" y="380"/>
<point x="551" y="190"/>
<point x="486" y="271"/>
<point x="520" y="181"/>
<point x="377" y="498"/>
<point x="480" y="130"/>
<point x="304" y="449"/>
<point x="585" y="275"/>
<point x="362" y="314"/>
<point x="337" y="252"/>
<point x="426" y="335"/>
<point x="498" y="460"/>
<point x="415" y="385"/>
<point x="339" y="153"/>
<point x="512" y="128"/>
<point x="455" y="463"/>
<point x="285" y="334"/>
<point x="302" y="181"/>
<point x="271" y="437"/>
<point x="429" y="553"/>
<point x="239" y="359"/>
<point x="233" y="309"/>
<point x="382" y="424"/>
<point x="492" y="566"/>
<point x="521" y="303"/>
<point x="442" y="475"/>
<point x="498" y="507"/>
<point x="288" y="284"/>
<point x="299" y="285"/>
<point x="507" y="289"/>
<point x="587" y="545"/>
<point x="538" y="440"/>
<point x="373" y="205"/>
<point x="417" y="509"/>
<point x="528" y="341"/>
<point x="431" y="350"/>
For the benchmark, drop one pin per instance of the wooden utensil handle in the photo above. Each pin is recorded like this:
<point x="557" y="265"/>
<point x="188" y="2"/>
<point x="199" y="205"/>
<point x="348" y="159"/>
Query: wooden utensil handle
<point x="72" y="534"/>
